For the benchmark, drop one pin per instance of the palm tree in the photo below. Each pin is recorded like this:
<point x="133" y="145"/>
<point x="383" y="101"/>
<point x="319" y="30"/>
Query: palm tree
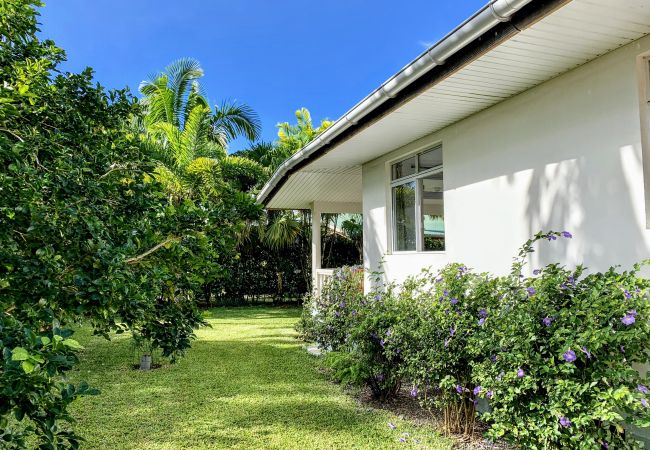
<point x="191" y="137"/>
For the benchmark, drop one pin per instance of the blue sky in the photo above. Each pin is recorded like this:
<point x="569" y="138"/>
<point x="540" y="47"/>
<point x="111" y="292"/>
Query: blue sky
<point x="275" y="55"/>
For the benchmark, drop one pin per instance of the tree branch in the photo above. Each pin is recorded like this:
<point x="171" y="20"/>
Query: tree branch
<point x="157" y="247"/>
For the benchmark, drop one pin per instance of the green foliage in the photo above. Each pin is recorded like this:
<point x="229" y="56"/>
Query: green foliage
<point x="565" y="347"/>
<point x="447" y="310"/>
<point x="90" y="229"/>
<point x="555" y="355"/>
<point x="328" y="317"/>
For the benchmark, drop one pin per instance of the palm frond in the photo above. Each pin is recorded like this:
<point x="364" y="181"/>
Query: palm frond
<point x="182" y="73"/>
<point x="232" y="120"/>
<point x="282" y="231"/>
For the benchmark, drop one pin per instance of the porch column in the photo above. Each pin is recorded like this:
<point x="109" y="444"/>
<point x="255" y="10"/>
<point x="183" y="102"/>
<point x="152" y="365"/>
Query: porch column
<point x="315" y="244"/>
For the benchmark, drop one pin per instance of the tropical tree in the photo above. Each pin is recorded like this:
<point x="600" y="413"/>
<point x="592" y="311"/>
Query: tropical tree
<point x="192" y="138"/>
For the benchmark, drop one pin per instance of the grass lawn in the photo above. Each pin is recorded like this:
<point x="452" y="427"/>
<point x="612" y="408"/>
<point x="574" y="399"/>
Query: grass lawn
<point x="246" y="383"/>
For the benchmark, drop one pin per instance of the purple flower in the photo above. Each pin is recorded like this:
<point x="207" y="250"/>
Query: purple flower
<point x="447" y="342"/>
<point x="551" y="237"/>
<point x="482" y="313"/>
<point x="627" y="294"/>
<point x="493" y="358"/>
<point x="547" y="321"/>
<point x="477" y="390"/>
<point x="445" y="293"/>
<point x="567" y="235"/>
<point x="389" y="333"/>
<point x="489" y="394"/>
<point x="537" y="271"/>
<point x="521" y="373"/>
<point x="342" y="304"/>
<point x="402" y="439"/>
<point x="481" y="321"/>
<point x="354" y="312"/>
<point x="531" y="291"/>
<point x="586" y="351"/>
<point x="569" y="356"/>
<point x="566" y="423"/>
<point x="381" y="342"/>
<point x="337" y="313"/>
<point x="452" y="331"/>
<point x="391" y="425"/>
<point x="414" y="392"/>
<point x="380" y="377"/>
<point x="377" y="296"/>
<point x="644" y="402"/>
<point x="398" y="350"/>
<point x="628" y="319"/>
<point x="605" y="444"/>
<point x="454" y="301"/>
<point x="642" y="389"/>
<point x="459" y="389"/>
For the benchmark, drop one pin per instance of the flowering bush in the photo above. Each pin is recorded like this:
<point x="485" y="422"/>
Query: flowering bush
<point x="446" y="311"/>
<point x="563" y="348"/>
<point x="554" y="354"/>
<point x="375" y="350"/>
<point x="326" y="318"/>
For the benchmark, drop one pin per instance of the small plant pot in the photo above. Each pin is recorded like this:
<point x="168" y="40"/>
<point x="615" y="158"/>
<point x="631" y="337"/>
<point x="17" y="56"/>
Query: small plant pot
<point x="145" y="362"/>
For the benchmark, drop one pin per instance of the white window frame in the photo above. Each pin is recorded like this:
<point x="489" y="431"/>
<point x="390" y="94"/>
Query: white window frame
<point x="643" y="73"/>
<point x="417" y="177"/>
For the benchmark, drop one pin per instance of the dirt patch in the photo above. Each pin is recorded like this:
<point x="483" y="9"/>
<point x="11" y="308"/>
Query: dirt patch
<point x="407" y="407"/>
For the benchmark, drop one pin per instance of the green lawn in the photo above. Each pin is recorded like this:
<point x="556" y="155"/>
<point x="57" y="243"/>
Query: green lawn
<point x="246" y="383"/>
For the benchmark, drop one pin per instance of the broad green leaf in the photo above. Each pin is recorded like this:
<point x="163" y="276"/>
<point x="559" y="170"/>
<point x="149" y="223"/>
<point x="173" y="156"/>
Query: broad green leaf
<point x="19" y="354"/>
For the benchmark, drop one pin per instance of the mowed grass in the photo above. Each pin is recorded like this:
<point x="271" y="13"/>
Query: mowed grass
<point x="246" y="383"/>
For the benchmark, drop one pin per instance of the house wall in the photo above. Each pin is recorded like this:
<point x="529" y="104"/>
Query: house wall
<point x="565" y="155"/>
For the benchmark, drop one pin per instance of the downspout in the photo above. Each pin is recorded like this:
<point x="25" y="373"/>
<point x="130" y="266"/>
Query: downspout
<point x="482" y="21"/>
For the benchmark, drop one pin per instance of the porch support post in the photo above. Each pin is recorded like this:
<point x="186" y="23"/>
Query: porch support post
<point x="315" y="244"/>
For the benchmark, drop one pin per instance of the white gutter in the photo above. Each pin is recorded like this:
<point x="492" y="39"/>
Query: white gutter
<point x="487" y="17"/>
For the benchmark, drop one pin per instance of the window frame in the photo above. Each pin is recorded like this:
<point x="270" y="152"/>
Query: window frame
<point x="643" y="77"/>
<point x="419" y="217"/>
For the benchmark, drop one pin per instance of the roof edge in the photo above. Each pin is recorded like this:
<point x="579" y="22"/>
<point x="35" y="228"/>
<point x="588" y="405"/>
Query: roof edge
<point x="491" y="25"/>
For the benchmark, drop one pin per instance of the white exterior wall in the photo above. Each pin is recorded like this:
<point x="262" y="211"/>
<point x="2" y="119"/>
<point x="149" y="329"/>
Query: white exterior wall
<point x="565" y="155"/>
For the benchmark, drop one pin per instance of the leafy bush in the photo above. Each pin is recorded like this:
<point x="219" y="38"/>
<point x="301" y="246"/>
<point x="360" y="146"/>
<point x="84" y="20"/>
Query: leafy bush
<point x="555" y="355"/>
<point x="446" y="311"/>
<point x="376" y="353"/>
<point x="327" y="319"/>
<point x="564" y="347"/>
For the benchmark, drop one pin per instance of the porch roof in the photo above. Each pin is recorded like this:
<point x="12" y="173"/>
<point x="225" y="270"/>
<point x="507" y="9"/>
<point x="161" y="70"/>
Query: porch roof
<point x="483" y="62"/>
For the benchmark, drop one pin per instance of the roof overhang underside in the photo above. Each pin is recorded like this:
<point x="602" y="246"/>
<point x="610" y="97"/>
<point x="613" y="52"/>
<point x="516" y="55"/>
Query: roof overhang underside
<point x="570" y="36"/>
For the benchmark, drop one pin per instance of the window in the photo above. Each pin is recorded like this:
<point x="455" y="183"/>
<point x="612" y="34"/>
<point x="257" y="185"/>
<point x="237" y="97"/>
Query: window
<point x="418" y="208"/>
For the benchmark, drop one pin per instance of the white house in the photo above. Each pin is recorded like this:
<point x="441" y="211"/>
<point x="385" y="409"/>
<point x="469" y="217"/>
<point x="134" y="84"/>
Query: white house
<point x="531" y="115"/>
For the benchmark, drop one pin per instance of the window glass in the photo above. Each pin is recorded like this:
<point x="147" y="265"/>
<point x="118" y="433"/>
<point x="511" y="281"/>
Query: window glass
<point x="430" y="159"/>
<point x="404" y="216"/>
<point x="433" y="213"/>
<point x="404" y="168"/>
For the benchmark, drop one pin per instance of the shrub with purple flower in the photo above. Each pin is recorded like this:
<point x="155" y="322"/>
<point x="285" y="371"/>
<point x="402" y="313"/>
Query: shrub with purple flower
<point x="568" y="333"/>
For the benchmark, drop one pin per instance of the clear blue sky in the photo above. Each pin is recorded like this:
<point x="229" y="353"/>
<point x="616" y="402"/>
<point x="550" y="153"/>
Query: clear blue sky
<point x="275" y="55"/>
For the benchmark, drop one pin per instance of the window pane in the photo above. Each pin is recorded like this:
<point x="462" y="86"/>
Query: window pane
<point x="433" y="212"/>
<point x="404" y="168"/>
<point x="404" y="216"/>
<point x="430" y="159"/>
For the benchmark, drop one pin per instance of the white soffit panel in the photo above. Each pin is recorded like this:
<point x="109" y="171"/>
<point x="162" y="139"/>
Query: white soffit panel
<point x="577" y="33"/>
